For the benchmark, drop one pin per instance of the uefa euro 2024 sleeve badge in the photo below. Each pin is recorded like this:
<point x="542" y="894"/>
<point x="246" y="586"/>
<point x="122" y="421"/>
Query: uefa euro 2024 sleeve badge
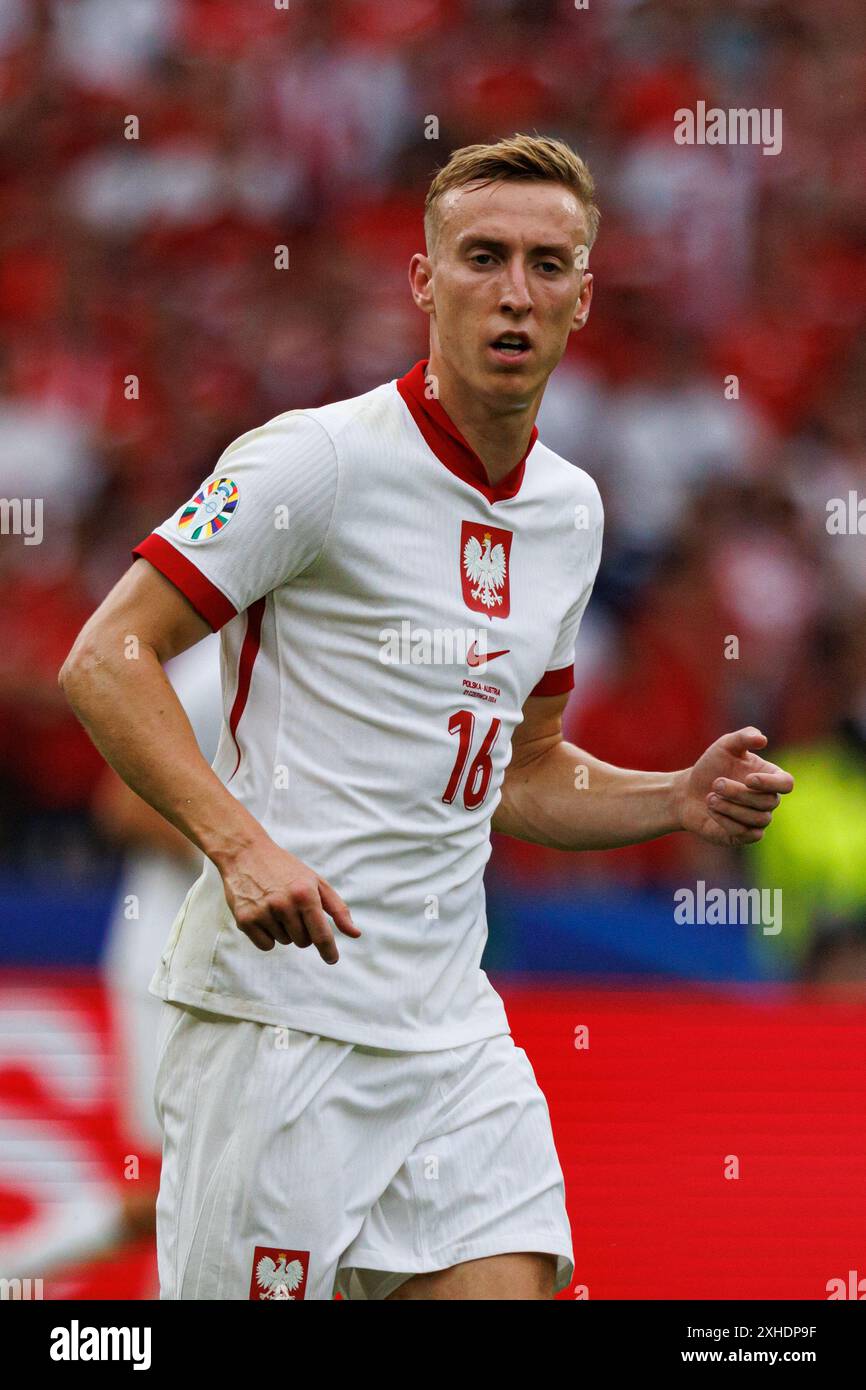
<point x="210" y="511"/>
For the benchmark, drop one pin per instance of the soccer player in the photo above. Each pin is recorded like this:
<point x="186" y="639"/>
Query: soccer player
<point x="398" y="580"/>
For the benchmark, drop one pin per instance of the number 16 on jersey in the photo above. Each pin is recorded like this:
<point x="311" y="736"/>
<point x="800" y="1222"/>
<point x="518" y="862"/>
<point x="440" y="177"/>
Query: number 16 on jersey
<point x="477" y="782"/>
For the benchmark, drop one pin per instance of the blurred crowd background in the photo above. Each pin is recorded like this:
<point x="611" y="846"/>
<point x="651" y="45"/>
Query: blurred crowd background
<point x="718" y="396"/>
<point x="308" y="127"/>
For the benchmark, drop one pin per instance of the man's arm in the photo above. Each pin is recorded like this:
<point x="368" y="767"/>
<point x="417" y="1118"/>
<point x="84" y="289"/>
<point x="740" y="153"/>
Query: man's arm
<point x="554" y="794"/>
<point x="114" y="681"/>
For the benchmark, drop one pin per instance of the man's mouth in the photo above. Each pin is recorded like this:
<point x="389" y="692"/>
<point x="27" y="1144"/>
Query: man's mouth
<point x="512" y="344"/>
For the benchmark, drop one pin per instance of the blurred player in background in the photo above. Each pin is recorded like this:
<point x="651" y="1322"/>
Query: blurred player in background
<point x="159" y="868"/>
<point x="362" y="1121"/>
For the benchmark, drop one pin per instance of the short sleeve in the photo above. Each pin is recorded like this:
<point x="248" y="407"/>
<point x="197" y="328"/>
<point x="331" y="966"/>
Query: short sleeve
<point x="559" y="676"/>
<point x="257" y="521"/>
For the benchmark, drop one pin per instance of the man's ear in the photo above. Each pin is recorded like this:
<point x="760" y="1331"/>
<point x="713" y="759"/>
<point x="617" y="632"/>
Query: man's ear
<point x="581" y="312"/>
<point x="421" y="281"/>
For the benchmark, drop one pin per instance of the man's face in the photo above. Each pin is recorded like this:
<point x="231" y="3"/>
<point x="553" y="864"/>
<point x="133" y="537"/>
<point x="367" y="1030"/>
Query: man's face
<point x="508" y="260"/>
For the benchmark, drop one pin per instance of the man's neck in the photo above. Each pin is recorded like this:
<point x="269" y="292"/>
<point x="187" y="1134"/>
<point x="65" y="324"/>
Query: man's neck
<point x="500" y="438"/>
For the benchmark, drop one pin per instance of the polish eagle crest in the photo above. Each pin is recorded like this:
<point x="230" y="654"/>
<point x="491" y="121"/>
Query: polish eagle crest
<point x="277" y="1278"/>
<point x="485" y="569"/>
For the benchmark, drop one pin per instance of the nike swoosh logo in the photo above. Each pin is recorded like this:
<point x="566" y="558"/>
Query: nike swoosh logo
<point x="473" y="659"/>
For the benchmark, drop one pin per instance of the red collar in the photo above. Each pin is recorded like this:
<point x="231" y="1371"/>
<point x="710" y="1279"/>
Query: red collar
<point x="449" y="445"/>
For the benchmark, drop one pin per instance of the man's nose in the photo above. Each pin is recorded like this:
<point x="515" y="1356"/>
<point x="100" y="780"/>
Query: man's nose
<point x="515" y="293"/>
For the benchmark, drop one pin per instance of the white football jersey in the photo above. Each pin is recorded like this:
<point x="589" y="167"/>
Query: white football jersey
<point x="384" y="615"/>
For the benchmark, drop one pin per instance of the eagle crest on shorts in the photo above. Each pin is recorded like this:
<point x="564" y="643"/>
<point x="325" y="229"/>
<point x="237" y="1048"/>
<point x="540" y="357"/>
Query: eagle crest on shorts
<point x="278" y="1278"/>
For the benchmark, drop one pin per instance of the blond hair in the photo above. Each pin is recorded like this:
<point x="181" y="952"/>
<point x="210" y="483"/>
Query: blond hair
<point x="527" y="157"/>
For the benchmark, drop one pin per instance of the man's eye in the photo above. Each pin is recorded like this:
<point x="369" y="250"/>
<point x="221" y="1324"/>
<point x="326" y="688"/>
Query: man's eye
<point x="481" y="256"/>
<point x="549" y="265"/>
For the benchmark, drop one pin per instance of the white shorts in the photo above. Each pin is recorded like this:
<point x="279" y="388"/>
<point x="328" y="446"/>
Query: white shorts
<point x="297" y="1166"/>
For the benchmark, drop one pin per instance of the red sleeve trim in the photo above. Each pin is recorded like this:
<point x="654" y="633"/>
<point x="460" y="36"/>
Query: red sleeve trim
<point x="205" y="597"/>
<point x="555" y="682"/>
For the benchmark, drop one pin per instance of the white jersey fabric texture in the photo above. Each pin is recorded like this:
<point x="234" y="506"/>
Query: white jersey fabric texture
<point x="384" y="614"/>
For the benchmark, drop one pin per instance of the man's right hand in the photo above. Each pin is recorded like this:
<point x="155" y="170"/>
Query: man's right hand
<point x="274" y="897"/>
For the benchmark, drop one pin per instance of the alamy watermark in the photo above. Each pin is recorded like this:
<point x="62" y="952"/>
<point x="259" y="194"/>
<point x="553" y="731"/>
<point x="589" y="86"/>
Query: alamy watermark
<point x="757" y="907"/>
<point x="438" y="646"/>
<point x="736" y="126"/>
<point x="22" y="516"/>
<point x="77" y="1343"/>
<point x="846" y="516"/>
<point x="20" y="1289"/>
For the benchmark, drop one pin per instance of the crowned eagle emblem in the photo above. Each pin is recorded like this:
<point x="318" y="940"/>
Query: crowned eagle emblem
<point x="277" y="1278"/>
<point x="485" y="569"/>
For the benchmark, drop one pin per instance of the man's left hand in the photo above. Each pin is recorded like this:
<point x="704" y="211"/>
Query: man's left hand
<point x="730" y="794"/>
